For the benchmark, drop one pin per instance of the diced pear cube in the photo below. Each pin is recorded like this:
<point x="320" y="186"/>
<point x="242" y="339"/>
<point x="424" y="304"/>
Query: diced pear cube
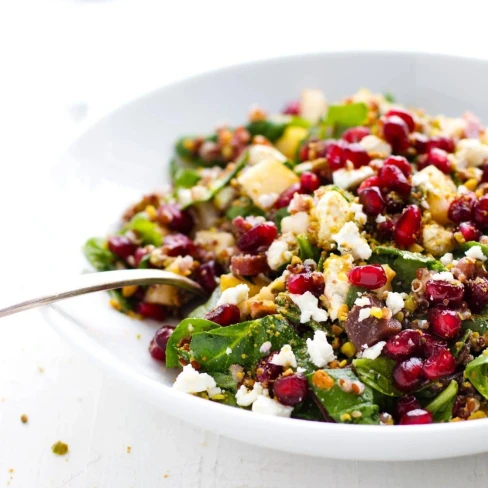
<point x="313" y="105"/>
<point x="332" y="212"/>
<point x="288" y="143"/>
<point x="163" y="295"/>
<point x="214" y="241"/>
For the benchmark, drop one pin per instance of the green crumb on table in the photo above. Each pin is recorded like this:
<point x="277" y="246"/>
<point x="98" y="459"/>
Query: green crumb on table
<point x="24" y="419"/>
<point x="60" y="448"/>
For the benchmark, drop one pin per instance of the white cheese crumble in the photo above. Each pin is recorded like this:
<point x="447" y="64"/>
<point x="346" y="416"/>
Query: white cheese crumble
<point x="348" y="178"/>
<point x="380" y="219"/>
<point x="319" y="350"/>
<point x="245" y="397"/>
<point x="265" y="347"/>
<point x="442" y="276"/>
<point x="447" y="258"/>
<point x="309" y="309"/>
<point x="462" y="190"/>
<point x="285" y="358"/>
<point x="476" y="253"/>
<point x="228" y="351"/>
<point x="267" y="200"/>
<point x="375" y="146"/>
<point x="472" y="152"/>
<point x="336" y="282"/>
<point x="362" y="302"/>
<point x="191" y="381"/>
<point x="364" y="313"/>
<point x="278" y="254"/>
<point x="395" y="302"/>
<point x="332" y="212"/>
<point x="268" y="406"/>
<point x="296" y="224"/>
<point x="234" y="295"/>
<point x="350" y="241"/>
<point x="359" y="215"/>
<point x="374" y="351"/>
<point x="301" y="370"/>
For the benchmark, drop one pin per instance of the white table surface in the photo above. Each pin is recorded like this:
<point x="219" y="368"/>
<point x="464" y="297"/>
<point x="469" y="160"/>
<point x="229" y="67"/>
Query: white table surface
<point x="65" y="64"/>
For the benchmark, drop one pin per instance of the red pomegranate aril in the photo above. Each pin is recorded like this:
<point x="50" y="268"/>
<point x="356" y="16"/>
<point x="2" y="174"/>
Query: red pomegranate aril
<point x="369" y="182"/>
<point x="356" y="154"/>
<point x="370" y="276"/>
<point x="290" y="390"/>
<point x="287" y="196"/>
<point x="401" y="163"/>
<point x="435" y="157"/>
<point x="441" y="142"/>
<point x="385" y="230"/>
<point x="405" y="115"/>
<point x="406" y="343"/>
<point x="440" y="363"/>
<point x="372" y="201"/>
<point x="484" y="177"/>
<point x="444" y="323"/>
<point x="175" y="218"/>
<point x="477" y="294"/>
<point x="334" y="153"/>
<point x="420" y="142"/>
<point x="121" y="246"/>
<point x="481" y="212"/>
<point x="393" y="179"/>
<point x="407" y="227"/>
<point x="300" y="283"/>
<point x="356" y="134"/>
<point x="266" y="371"/>
<point x="309" y="182"/>
<point x="140" y="253"/>
<point x="259" y="238"/>
<point x="151" y="311"/>
<point x="418" y="416"/>
<point x="293" y="108"/>
<point x="407" y="374"/>
<point x="444" y="293"/>
<point x="461" y="208"/>
<point x="178" y="245"/>
<point x="156" y="352"/>
<point x="396" y="132"/>
<point x="469" y="231"/>
<point x="431" y="344"/>
<point x="404" y="405"/>
<point x="206" y="275"/>
<point x="224" y="315"/>
<point x="161" y="337"/>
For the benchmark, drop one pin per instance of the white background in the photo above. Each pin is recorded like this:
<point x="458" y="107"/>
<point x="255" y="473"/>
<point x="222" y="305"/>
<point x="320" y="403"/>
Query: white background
<point x="63" y="65"/>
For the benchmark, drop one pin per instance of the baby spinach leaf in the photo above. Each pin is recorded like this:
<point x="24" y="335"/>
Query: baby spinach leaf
<point x="353" y="294"/>
<point x="378" y="374"/>
<point x="124" y="304"/>
<point x="185" y="329"/>
<point x="98" y="255"/>
<point x="225" y="380"/>
<point x="183" y="151"/>
<point x="202" y="310"/>
<point x="148" y="231"/>
<point x="459" y="345"/>
<point x="307" y="250"/>
<point x="243" y="207"/>
<point x="468" y="245"/>
<point x="185" y="178"/>
<point x="349" y="115"/>
<point x="477" y="372"/>
<point x="307" y="410"/>
<point x="389" y="97"/>
<point x="441" y="406"/>
<point x="274" y="127"/>
<point x="342" y="406"/>
<point x="477" y="323"/>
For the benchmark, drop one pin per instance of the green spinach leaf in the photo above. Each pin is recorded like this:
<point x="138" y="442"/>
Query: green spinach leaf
<point x="202" y="310"/>
<point x="477" y="372"/>
<point x="98" y="255"/>
<point x="185" y="178"/>
<point x="477" y="323"/>
<point x="441" y="406"/>
<point x="243" y="207"/>
<point x="274" y="127"/>
<point x="378" y="374"/>
<point x="459" y="345"/>
<point x="148" y="231"/>
<point x="348" y="115"/>
<point x="307" y="250"/>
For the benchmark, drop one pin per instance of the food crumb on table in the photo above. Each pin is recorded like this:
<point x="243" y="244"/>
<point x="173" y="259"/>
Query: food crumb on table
<point x="24" y="419"/>
<point x="129" y="449"/>
<point x="60" y="448"/>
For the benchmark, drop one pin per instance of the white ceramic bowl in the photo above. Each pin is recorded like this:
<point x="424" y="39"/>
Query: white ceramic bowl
<point x="126" y="155"/>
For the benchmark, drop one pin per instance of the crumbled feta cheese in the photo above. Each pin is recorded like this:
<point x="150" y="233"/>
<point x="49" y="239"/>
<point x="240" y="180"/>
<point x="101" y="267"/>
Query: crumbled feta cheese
<point x="237" y="372"/>
<point x="362" y="302"/>
<point x="422" y="180"/>
<point x="472" y="152"/>
<point x="395" y="302"/>
<point x="308" y="305"/>
<point x="348" y="178"/>
<point x="265" y="347"/>
<point x="191" y="381"/>
<point x="300" y="203"/>
<point x="364" y="313"/>
<point x="376" y="147"/>
<point x="336" y="282"/>
<point x="475" y="252"/>
<point x="462" y="190"/>
<point x="267" y="200"/>
<point x="228" y="351"/>
<point x="359" y="216"/>
<point x="447" y="258"/>
<point x="278" y="254"/>
<point x="442" y="276"/>
<point x="350" y="241"/>
<point x="285" y="358"/>
<point x="301" y="370"/>
<point x="374" y="351"/>
<point x="268" y="406"/>
<point x="319" y="350"/>
<point x="234" y="295"/>
<point x="296" y="224"/>
<point x="332" y="212"/>
<point x="380" y="219"/>
<point x="245" y="397"/>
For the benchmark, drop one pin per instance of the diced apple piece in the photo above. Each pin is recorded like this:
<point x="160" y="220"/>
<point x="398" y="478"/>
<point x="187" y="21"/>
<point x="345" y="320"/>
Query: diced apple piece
<point x="290" y="140"/>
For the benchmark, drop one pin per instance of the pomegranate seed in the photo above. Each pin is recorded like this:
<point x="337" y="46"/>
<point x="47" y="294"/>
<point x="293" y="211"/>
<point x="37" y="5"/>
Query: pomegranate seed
<point x="461" y="208"/>
<point x="356" y="134"/>
<point x="151" y="311"/>
<point x="259" y="238"/>
<point x="405" y="115"/>
<point x="334" y="153"/>
<point x="393" y="179"/>
<point x="431" y="344"/>
<point x="287" y="196"/>
<point x="290" y="390"/>
<point x="385" y="230"/>
<point x="121" y="246"/>
<point x="225" y="314"/>
<point x="206" y="275"/>
<point x="370" y="276"/>
<point x="444" y="323"/>
<point x="407" y="227"/>
<point x="405" y="404"/>
<point x="477" y="294"/>
<point x="300" y="283"/>
<point x="407" y="374"/>
<point x="175" y="218"/>
<point x="406" y="343"/>
<point x="372" y="201"/>
<point x="293" y="108"/>
<point x="469" y="231"/>
<point x="435" y="157"/>
<point x="304" y="153"/>
<point x="309" y="182"/>
<point x="401" y="163"/>
<point x="481" y="211"/>
<point x="356" y="154"/>
<point x="368" y="183"/>
<point x="484" y="177"/>
<point x="441" y="142"/>
<point x="440" y="363"/>
<point x="418" y="416"/>
<point x="394" y="203"/>
<point x="444" y="293"/>
<point x="420" y="142"/>
<point x="140" y="253"/>
<point x="178" y="245"/>
<point x="266" y="371"/>
<point x="157" y="346"/>
<point x="156" y="352"/>
<point x="395" y="131"/>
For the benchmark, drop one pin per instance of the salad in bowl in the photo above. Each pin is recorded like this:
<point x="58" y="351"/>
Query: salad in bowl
<point x="342" y="248"/>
